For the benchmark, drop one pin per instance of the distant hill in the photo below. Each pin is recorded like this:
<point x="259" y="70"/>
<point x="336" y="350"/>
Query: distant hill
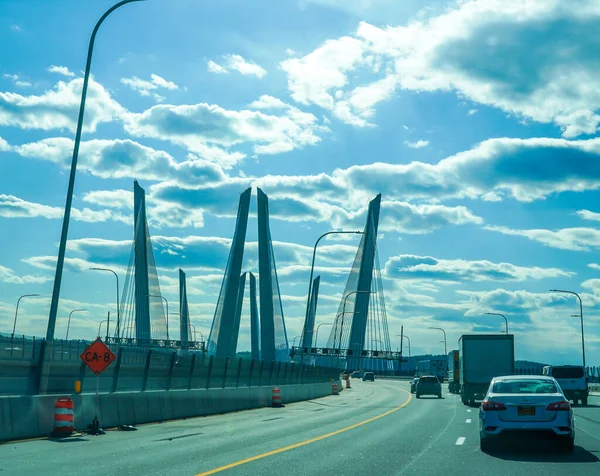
<point x="527" y="364"/>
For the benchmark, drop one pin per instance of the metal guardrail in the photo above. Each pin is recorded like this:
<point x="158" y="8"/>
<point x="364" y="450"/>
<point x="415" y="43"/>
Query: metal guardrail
<point x="328" y="352"/>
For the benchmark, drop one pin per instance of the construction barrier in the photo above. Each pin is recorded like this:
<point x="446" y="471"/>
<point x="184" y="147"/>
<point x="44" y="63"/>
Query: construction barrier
<point x="276" y="397"/>
<point x="335" y="389"/>
<point x="64" y="418"/>
<point x="348" y="383"/>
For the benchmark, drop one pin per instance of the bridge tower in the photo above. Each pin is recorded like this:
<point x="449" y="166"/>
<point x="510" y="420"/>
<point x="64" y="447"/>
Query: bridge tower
<point x="273" y="342"/>
<point x="220" y="342"/>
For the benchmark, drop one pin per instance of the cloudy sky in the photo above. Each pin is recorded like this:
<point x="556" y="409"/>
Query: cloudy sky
<point x="476" y="120"/>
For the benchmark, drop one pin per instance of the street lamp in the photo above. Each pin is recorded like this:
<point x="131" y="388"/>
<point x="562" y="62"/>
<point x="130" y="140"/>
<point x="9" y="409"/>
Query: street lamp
<point x="377" y="340"/>
<point x="69" y="321"/>
<point x="100" y="325"/>
<point x="440" y="329"/>
<point x="317" y="333"/>
<point x="118" y="312"/>
<point x="17" y="310"/>
<point x="294" y="341"/>
<point x="167" y="302"/>
<point x="580" y="316"/>
<point x="65" y="224"/>
<point x="344" y="311"/>
<point x="405" y="337"/>
<point x="312" y="266"/>
<point x="498" y="314"/>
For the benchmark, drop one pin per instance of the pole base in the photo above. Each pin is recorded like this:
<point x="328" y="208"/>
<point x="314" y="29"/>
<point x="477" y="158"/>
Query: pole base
<point x="94" y="428"/>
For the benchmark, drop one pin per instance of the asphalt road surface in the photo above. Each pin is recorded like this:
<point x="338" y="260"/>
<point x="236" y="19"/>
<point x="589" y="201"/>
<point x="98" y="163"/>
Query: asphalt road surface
<point x="374" y="428"/>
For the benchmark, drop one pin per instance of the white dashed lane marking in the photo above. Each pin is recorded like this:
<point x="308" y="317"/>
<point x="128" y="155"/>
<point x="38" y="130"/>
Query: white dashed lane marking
<point x="460" y="441"/>
<point x="468" y="420"/>
<point x="469" y="410"/>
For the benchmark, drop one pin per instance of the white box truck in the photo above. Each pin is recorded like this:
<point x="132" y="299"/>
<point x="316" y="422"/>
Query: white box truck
<point x="481" y="358"/>
<point x="572" y="380"/>
<point x="435" y="367"/>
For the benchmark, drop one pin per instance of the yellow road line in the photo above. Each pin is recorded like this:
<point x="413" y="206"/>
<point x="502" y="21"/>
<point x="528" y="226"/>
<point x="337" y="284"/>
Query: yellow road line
<point x="306" y="442"/>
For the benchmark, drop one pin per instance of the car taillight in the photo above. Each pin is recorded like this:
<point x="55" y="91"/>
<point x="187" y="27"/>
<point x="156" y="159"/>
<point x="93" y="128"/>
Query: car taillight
<point x="559" y="406"/>
<point x="488" y="406"/>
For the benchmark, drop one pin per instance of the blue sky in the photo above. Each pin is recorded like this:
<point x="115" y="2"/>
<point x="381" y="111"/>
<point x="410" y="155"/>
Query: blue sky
<point x="476" y="120"/>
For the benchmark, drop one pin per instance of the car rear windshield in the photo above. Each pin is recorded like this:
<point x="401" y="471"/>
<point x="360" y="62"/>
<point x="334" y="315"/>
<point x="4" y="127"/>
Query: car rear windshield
<point x="525" y="386"/>
<point x="567" y="372"/>
<point x="429" y="380"/>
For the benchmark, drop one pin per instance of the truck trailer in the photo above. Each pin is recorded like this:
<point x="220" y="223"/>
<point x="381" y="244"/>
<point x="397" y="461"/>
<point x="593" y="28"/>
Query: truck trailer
<point x="481" y="358"/>
<point x="435" y="367"/>
<point x="453" y="372"/>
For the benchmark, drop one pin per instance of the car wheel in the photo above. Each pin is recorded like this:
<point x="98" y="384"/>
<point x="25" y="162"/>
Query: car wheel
<point x="484" y="445"/>
<point x="567" y="444"/>
<point x="584" y="401"/>
<point x="465" y="401"/>
<point x="418" y="395"/>
<point x="575" y="401"/>
<point x="439" y="395"/>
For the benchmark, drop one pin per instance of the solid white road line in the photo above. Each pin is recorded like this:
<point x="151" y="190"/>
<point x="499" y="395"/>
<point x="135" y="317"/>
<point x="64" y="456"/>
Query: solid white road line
<point x="468" y="420"/>
<point x="460" y="441"/>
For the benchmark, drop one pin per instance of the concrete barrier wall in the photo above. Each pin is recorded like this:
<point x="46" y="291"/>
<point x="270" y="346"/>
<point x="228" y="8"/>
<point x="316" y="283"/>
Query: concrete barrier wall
<point x="33" y="415"/>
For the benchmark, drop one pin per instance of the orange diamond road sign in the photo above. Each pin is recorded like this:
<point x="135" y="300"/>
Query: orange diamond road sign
<point x="97" y="356"/>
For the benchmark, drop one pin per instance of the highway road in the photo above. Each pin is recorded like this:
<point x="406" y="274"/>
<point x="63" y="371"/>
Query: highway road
<point x="373" y="428"/>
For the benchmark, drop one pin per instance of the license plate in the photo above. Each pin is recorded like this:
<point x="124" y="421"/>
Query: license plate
<point x="526" y="411"/>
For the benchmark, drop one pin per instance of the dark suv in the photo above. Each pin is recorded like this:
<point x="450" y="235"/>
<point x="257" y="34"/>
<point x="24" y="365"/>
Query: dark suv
<point x="429" y="385"/>
<point x="369" y="376"/>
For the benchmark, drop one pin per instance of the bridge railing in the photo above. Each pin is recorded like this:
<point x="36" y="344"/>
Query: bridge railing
<point x="138" y="369"/>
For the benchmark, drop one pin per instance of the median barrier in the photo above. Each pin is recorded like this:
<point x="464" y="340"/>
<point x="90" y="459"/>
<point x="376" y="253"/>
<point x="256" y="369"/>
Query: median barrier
<point x="33" y="416"/>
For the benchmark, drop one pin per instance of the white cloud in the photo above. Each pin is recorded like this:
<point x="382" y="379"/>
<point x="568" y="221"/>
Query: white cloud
<point x="312" y="77"/>
<point x="16" y="28"/>
<point x="58" y="108"/>
<point x="122" y="159"/>
<point x="575" y="239"/>
<point x="207" y="130"/>
<point x="146" y="88"/>
<point x="588" y="215"/>
<point x="472" y="112"/>
<point x="215" y="67"/>
<point x="18" y="82"/>
<point x="486" y="51"/>
<point x="61" y="70"/>
<point x="458" y="270"/>
<point x="594" y="266"/>
<point x="14" y="207"/>
<point x="420" y="144"/>
<point x="8" y="276"/>
<point x="239" y="64"/>
<point x="268" y="102"/>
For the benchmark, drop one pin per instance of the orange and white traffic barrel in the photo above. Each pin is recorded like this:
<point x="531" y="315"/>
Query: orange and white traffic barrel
<point x="334" y="389"/>
<point x="64" y="418"/>
<point x="276" y="397"/>
<point x="348" y="383"/>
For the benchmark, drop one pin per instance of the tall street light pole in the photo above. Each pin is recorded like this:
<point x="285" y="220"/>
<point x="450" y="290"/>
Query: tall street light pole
<point x="405" y="337"/>
<point x="100" y="326"/>
<point x="17" y="309"/>
<point x="118" y="312"/>
<point x="580" y="316"/>
<point x="498" y="314"/>
<point x="167" y="302"/>
<point x="66" y="218"/>
<point x="440" y="329"/>
<point x="344" y="311"/>
<point x="69" y="321"/>
<point x="312" y="267"/>
<point x="317" y="333"/>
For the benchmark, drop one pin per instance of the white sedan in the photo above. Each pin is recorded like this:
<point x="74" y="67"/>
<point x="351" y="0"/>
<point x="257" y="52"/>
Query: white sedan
<point x="525" y="403"/>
